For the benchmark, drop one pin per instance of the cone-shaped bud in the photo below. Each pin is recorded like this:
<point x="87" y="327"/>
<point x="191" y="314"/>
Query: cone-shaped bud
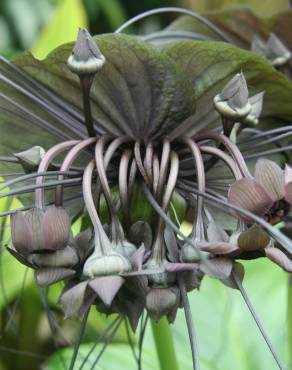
<point x="30" y="158"/>
<point x="259" y="46"/>
<point x="273" y="50"/>
<point x="110" y="264"/>
<point x="86" y="58"/>
<point x="256" y="103"/>
<point x="161" y="301"/>
<point x="232" y="102"/>
<point x="40" y="230"/>
<point x="277" y="53"/>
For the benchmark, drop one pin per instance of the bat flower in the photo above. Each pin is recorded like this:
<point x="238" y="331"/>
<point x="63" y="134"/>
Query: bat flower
<point x="132" y="138"/>
<point x="267" y="194"/>
<point x="53" y="266"/>
<point x="40" y="230"/>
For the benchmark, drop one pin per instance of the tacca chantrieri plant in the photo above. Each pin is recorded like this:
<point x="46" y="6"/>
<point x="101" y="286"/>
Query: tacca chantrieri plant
<point x="139" y="142"/>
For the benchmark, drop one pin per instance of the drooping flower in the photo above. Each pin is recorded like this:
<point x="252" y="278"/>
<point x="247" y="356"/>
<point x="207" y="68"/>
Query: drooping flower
<point x="148" y="156"/>
<point x="268" y="194"/>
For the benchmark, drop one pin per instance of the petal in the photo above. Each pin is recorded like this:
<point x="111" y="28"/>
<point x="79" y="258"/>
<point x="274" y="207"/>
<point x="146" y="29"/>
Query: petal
<point x="280" y="258"/>
<point x="20" y="258"/>
<point x="179" y="267"/>
<point x="56" y="228"/>
<point x="50" y="275"/>
<point x="238" y="268"/>
<point x="83" y="243"/>
<point x="66" y="257"/>
<point x="107" y="287"/>
<point x="171" y="244"/>
<point x="248" y="194"/>
<point x="72" y="299"/>
<point x="161" y="301"/>
<point x="271" y="177"/>
<point x="216" y="233"/>
<point x="21" y="233"/>
<point x="141" y="233"/>
<point x="288" y="174"/>
<point x="217" y="268"/>
<point x="253" y="239"/>
<point x="219" y="247"/>
<point x="137" y="258"/>
<point x="193" y="279"/>
<point x="288" y="192"/>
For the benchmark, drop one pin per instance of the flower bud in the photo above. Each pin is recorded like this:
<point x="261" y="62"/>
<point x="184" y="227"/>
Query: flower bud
<point x="40" y="230"/>
<point x="161" y="301"/>
<point x="277" y="52"/>
<point x="162" y="278"/>
<point x="273" y="50"/>
<point x="125" y="248"/>
<point x="30" y="158"/>
<point x="110" y="264"/>
<point x="232" y="102"/>
<point x="86" y="58"/>
<point x="256" y="103"/>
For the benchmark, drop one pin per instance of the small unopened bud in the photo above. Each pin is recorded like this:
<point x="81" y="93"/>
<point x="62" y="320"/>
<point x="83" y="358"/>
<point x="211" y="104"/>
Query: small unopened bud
<point x="40" y="230"/>
<point x="273" y="50"/>
<point x="258" y="46"/>
<point x="256" y="103"/>
<point x="161" y="301"/>
<point x="86" y="58"/>
<point x="277" y="52"/>
<point x="30" y="158"/>
<point x="232" y="102"/>
<point x="110" y="264"/>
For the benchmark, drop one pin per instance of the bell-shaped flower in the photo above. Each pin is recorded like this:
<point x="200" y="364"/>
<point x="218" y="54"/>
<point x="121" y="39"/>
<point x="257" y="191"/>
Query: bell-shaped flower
<point x="40" y="230"/>
<point x="51" y="267"/>
<point x="162" y="302"/>
<point x="255" y="242"/>
<point x="268" y="194"/>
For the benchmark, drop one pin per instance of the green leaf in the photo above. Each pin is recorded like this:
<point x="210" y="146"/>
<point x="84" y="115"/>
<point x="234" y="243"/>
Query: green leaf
<point x="63" y="27"/>
<point x="210" y="65"/>
<point x="139" y="92"/>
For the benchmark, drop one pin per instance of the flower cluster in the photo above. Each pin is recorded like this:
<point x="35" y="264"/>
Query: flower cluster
<point x="141" y="166"/>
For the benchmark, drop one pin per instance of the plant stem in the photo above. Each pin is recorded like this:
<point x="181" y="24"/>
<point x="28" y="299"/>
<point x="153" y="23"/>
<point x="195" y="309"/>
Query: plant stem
<point x="86" y="83"/>
<point x="257" y="320"/>
<point x="78" y="342"/>
<point x="289" y="314"/>
<point x="164" y="344"/>
<point x="190" y="324"/>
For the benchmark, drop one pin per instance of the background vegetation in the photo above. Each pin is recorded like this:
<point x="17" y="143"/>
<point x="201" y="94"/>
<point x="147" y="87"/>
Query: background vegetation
<point x="31" y="330"/>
